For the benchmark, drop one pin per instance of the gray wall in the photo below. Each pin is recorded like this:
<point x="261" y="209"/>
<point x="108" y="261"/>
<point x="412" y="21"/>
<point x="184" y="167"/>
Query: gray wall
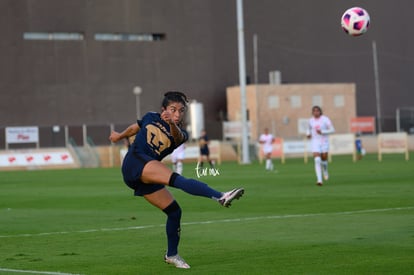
<point x="90" y="82"/>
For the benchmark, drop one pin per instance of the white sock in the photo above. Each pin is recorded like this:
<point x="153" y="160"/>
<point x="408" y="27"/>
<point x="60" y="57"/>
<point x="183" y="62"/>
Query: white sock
<point x="179" y="168"/>
<point x="324" y="164"/>
<point x="318" y="169"/>
<point x="268" y="164"/>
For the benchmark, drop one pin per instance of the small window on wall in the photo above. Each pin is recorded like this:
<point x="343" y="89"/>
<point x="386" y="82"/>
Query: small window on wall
<point x="273" y="102"/>
<point x="134" y="37"/>
<point x="317" y="100"/>
<point x="339" y="101"/>
<point x="296" y="101"/>
<point x="53" y="36"/>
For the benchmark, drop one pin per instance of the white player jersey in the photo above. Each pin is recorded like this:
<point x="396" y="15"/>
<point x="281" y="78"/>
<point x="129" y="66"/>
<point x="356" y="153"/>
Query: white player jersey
<point x="267" y="141"/>
<point x="323" y="123"/>
<point x="178" y="153"/>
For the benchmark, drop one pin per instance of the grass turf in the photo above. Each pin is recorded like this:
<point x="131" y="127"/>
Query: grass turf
<point x="87" y="221"/>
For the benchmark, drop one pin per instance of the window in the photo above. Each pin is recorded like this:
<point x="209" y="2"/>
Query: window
<point x="129" y="37"/>
<point x="273" y="102"/>
<point x="339" y="101"/>
<point x="295" y="101"/>
<point x="317" y="100"/>
<point x="53" y="36"/>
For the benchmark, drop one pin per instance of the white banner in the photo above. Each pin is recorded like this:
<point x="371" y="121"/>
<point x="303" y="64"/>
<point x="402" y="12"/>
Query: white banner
<point x="28" y="159"/>
<point x="392" y="143"/>
<point x="296" y="146"/>
<point x="341" y="144"/>
<point x="22" y="135"/>
<point x="233" y="129"/>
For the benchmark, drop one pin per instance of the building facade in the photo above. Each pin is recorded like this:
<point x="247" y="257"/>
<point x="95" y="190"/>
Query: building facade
<point x="77" y="62"/>
<point x="285" y="109"/>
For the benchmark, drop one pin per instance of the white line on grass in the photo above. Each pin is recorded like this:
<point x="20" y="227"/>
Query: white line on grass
<point x="34" y="272"/>
<point x="212" y="222"/>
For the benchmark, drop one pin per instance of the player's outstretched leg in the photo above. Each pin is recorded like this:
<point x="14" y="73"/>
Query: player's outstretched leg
<point x="198" y="188"/>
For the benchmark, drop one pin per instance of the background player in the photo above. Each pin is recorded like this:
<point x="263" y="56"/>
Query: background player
<point x="157" y="135"/>
<point x="203" y="143"/>
<point x="320" y="126"/>
<point x="359" y="148"/>
<point x="177" y="158"/>
<point x="266" y="139"/>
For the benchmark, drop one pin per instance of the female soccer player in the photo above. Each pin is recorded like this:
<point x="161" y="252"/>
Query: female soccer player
<point x="320" y="127"/>
<point x="267" y="139"/>
<point x="203" y="143"/>
<point x="157" y="135"/>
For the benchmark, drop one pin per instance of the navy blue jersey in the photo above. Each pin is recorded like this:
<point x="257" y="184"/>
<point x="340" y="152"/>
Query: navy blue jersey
<point x="154" y="138"/>
<point x="204" y="150"/>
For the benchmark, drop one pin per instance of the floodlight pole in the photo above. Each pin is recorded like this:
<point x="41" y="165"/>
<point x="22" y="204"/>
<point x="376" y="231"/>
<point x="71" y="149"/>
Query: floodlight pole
<point x="377" y="85"/>
<point x="242" y="80"/>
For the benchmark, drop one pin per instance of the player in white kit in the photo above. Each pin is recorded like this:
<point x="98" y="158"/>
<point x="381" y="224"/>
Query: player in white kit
<point x="320" y="126"/>
<point x="177" y="157"/>
<point x="267" y="140"/>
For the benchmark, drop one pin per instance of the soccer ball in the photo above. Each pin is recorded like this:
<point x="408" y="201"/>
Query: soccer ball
<point x="355" y="21"/>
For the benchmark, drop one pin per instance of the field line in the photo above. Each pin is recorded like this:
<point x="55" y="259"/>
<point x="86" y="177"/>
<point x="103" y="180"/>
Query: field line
<point x="213" y="222"/>
<point x="34" y="272"/>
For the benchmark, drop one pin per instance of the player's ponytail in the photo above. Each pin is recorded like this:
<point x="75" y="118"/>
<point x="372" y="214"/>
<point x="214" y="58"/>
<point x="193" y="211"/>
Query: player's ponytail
<point x="174" y="96"/>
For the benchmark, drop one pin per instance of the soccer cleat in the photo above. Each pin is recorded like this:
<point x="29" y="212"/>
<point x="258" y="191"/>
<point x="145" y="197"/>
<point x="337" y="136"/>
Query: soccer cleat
<point x="228" y="197"/>
<point x="325" y="174"/>
<point x="319" y="183"/>
<point x="177" y="261"/>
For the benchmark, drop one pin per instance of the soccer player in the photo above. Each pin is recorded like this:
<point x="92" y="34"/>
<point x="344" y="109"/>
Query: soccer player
<point x="267" y="140"/>
<point x="359" y="148"/>
<point x="157" y="135"/>
<point x="177" y="158"/>
<point x="320" y="126"/>
<point x="203" y="143"/>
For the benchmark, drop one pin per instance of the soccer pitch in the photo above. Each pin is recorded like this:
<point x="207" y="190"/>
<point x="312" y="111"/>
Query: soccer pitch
<point x="87" y="221"/>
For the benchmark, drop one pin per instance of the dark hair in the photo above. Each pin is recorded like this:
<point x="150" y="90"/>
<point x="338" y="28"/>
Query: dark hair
<point x="317" y="107"/>
<point x="174" y="96"/>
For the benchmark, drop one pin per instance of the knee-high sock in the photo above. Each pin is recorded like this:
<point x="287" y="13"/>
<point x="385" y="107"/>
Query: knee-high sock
<point x="179" y="169"/>
<point x="324" y="164"/>
<point x="172" y="227"/>
<point x="269" y="165"/>
<point x="318" y="169"/>
<point x="193" y="187"/>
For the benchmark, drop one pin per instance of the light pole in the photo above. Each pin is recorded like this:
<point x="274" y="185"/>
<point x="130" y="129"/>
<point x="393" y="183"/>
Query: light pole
<point x="137" y="91"/>
<point x="242" y="80"/>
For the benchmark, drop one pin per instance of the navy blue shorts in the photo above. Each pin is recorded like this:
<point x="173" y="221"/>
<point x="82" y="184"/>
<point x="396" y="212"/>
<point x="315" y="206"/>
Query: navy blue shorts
<point x="204" y="151"/>
<point x="132" y="167"/>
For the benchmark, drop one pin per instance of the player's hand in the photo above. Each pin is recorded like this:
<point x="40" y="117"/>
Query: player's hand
<point x="167" y="116"/>
<point x="114" y="136"/>
<point x="319" y="131"/>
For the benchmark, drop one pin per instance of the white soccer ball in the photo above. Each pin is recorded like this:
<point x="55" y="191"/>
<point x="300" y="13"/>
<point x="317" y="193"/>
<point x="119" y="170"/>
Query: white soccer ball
<point x="355" y="21"/>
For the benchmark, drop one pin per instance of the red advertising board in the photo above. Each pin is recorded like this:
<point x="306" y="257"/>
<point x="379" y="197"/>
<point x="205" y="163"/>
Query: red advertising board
<point x="364" y="124"/>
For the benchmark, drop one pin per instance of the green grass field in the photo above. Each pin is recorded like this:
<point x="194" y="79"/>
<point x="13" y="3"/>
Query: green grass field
<point x="87" y="221"/>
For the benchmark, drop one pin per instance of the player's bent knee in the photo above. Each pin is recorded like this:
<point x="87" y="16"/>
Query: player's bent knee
<point x="173" y="210"/>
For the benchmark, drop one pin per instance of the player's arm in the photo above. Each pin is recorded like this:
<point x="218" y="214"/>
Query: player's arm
<point x="131" y="130"/>
<point x="308" y="131"/>
<point x="176" y="132"/>
<point x="329" y="129"/>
